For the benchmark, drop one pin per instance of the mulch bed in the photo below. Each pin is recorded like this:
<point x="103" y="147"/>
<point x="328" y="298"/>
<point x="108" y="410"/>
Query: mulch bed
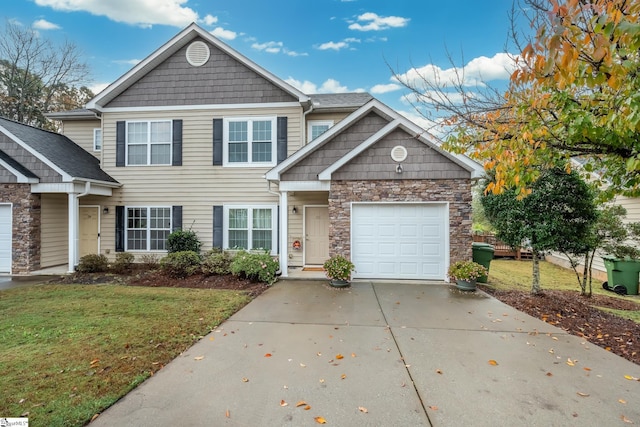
<point x="580" y="316"/>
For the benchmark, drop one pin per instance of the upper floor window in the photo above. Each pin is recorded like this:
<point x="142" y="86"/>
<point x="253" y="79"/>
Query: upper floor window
<point x="317" y="128"/>
<point x="249" y="141"/>
<point x="149" y="142"/>
<point x="97" y="139"/>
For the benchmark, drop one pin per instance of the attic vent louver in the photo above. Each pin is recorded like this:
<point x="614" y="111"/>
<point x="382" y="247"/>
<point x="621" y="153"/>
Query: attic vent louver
<point x="399" y="153"/>
<point x="198" y="53"/>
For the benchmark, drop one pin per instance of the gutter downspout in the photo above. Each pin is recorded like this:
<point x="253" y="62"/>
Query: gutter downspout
<point x="304" y="123"/>
<point x="74" y="225"/>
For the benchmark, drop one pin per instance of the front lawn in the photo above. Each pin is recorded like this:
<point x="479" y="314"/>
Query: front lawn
<point x="70" y="351"/>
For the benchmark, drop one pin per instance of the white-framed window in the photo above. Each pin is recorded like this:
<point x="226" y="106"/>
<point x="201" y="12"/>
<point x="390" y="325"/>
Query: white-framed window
<point x="147" y="228"/>
<point x="149" y="142"/>
<point x="249" y="141"/>
<point x="250" y="227"/>
<point x="315" y="128"/>
<point x="97" y="139"/>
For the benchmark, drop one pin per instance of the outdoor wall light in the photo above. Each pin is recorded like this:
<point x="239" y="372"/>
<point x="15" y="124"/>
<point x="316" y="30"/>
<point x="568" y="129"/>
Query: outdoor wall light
<point x="105" y="210"/>
<point x="294" y="210"/>
<point x="399" y="168"/>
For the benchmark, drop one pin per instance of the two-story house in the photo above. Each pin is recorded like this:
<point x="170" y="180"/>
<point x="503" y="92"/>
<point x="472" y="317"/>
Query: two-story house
<point x="197" y="136"/>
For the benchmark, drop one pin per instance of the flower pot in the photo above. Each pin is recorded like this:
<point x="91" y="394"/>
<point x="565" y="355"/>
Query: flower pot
<point x="339" y="283"/>
<point x="466" y="285"/>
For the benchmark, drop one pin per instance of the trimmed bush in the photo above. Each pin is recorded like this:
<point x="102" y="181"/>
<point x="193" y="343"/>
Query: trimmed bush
<point x="216" y="262"/>
<point x="123" y="262"/>
<point x="93" y="263"/>
<point x="261" y="267"/>
<point x="181" y="264"/>
<point x="183" y="241"/>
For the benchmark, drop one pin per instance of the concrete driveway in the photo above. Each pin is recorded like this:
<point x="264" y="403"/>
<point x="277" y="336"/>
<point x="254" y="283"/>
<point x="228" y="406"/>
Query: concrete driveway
<point x="384" y="354"/>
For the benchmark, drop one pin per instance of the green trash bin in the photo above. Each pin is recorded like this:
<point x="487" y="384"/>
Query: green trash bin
<point x="623" y="272"/>
<point x="482" y="254"/>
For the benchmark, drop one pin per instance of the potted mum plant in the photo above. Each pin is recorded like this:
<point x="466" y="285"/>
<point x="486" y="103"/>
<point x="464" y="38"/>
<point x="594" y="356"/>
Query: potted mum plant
<point x="338" y="270"/>
<point x="465" y="274"/>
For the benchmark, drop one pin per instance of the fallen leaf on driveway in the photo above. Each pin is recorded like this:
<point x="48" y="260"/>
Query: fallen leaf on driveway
<point x="267" y="355"/>
<point x="283" y="403"/>
<point x="306" y="408"/>
<point x="300" y="403"/>
<point x="433" y="408"/>
<point x="320" y="420"/>
<point x="302" y="365"/>
<point x="227" y="414"/>
<point x="438" y="371"/>
<point x="493" y="362"/>
<point x="625" y="419"/>
<point x="624" y="402"/>
<point x="199" y="357"/>
<point x="582" y="394"/>
<point x="363" y="409"/>
<point x="353" y="355"/>
<point x="339" y="356"/>
<point x="629" y="377"/>
<point x="245" y="380"/>
<point x="343" y="376"/>
<point x="571" y="362"/>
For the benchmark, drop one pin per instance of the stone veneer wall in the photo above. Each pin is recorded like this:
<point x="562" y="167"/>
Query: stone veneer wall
<point x="457" y="192"/>
<point x="26" y="227"/>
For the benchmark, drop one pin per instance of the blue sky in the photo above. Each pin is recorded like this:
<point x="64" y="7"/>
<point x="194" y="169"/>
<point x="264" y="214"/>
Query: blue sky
<point x="316" y="45"/>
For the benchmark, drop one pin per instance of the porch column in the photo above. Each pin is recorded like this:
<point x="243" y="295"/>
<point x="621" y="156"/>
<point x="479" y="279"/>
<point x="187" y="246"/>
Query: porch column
<point x="284" y="233"/>
<point x="74" y="214"/>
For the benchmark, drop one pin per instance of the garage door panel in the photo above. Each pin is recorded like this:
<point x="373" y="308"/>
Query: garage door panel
<point x="405" y="241"/>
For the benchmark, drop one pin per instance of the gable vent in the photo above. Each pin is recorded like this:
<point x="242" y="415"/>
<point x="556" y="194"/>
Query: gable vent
<point x="198" y="53"/>
<point x="399" y="153"/>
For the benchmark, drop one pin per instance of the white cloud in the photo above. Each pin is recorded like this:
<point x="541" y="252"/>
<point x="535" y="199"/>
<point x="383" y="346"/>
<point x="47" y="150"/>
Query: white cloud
<point x="210" y="20"/>
<point x="41" y="24"/>
<point x="329" y="86"/>
<point x="131" y="62"/>
<point x="374" y="22"/>
<point x="474" y="73"/>
<point x="294" y="53"/>
<point x="136" y="12"/>
<point x="221" y="33"/>
<point x="269" y="47"/>
<point x="391" y="87"/>
<point x="98" y="87"/>
<point x="333" y="46"/>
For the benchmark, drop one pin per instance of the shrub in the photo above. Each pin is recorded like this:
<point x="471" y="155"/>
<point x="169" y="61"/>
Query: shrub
<point x="216" y="262"/>
<point x="182" y="241"/>
<point x="123" y="262"/>
<point x="338" y="268"/>
<point x="180" y="264"/>
<point x="255" y="266"/>
<point x="93" y="263"/>
<point x="150" y="261"/>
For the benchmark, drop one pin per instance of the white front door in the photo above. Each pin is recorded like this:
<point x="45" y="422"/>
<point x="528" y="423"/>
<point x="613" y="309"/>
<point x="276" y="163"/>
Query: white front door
<point x="316" y="228"/>
<point x="400" y="240"/>
<point x="5" y="238"/>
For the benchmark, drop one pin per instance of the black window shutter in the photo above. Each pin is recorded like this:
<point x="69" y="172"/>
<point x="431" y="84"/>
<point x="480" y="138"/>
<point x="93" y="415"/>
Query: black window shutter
<point x="217" y="226"/>
<point x="177" y="143"/>
<point x="282" y="138"/>
<point x="217" y="142"/>
<point x="176" y="213"/>
<point x="120" y="220"/>
<point x="121" y="128"/>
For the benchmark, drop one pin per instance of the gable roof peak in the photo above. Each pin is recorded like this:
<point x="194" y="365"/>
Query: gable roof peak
<point x="184" y="37"/>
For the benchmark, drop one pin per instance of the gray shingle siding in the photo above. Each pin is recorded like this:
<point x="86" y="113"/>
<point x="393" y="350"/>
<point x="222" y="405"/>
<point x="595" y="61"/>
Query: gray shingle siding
<point x="423" y="162"/>
<point x="222" y="80"/>
<point x="6" y="176"/>
<point x="28" y="160"/>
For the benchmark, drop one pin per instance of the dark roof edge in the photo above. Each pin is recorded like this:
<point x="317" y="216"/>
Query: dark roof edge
<point x="79" y="114"/>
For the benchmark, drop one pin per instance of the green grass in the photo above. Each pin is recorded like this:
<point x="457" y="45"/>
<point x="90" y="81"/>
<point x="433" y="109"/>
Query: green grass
<point x="68" y="352"/>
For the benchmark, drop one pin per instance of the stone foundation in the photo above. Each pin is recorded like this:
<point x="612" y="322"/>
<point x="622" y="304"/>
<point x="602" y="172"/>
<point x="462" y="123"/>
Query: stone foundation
<point x="26" y="228"/>
<point x="457" y="192"/>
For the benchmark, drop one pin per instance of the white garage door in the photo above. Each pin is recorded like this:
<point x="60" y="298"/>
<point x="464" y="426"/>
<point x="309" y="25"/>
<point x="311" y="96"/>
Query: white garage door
<point x="5" y="238"/>
<point x="400" y="241"/>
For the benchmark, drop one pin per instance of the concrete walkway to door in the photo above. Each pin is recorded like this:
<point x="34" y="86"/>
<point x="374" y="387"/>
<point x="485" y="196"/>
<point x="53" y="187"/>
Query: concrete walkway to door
<point x="384" y="354"/>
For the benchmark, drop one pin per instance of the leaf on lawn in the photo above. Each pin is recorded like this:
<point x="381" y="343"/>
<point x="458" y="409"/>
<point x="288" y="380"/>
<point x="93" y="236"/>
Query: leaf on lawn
<point x="363" y="409"/>
<point x="493" y="362"/>
<point x="283" y="403"/>
<point x="320" y="420"/>
<point x="624" y="402"/>
<point x="433" y="408"/>
<point x="267" y="355"/>
<point x="227" y="414"/>
<point x="343" y="376"/>
<point x="95" y="362"/>
<point x="95" y="416"/>
<point x="300" y="403"/>
<point x="582" y="394"/>
<point x="339" y="356"/>
<point x="199" y="357"/>
<point x="625" y="419"/>
<point x="245" y="380"/>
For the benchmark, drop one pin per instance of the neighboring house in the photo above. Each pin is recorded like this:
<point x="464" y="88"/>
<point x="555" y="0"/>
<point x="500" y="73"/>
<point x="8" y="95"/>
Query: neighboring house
<point x="197" y="136"/>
